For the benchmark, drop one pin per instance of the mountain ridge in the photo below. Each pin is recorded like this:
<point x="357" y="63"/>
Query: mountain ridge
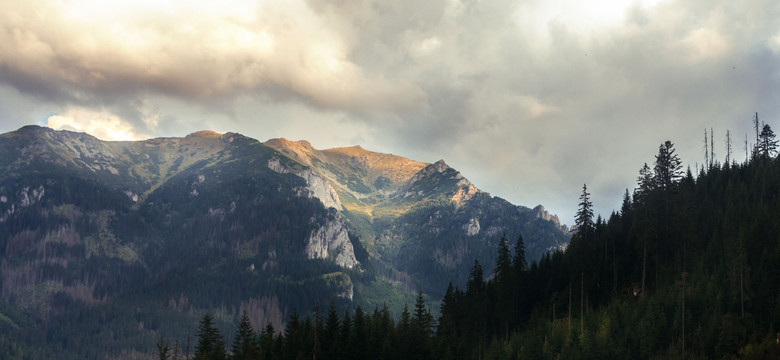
<point x="210" y="219"/>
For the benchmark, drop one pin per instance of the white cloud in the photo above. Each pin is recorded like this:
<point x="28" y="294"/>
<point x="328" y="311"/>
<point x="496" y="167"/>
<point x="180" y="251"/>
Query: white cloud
<point x="100" y="124"/>
<point x="195" y="51"/>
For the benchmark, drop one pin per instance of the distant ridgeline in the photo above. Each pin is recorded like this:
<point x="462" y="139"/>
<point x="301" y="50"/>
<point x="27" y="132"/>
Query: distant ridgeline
<point x="689" y="267"/>
<point x="107" y="246"/>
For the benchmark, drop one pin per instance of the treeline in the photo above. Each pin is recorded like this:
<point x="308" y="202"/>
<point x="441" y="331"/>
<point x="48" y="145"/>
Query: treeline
<point x="355" y="335"/>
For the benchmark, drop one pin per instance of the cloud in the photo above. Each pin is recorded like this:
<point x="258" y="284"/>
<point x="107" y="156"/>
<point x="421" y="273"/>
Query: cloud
<point x="91" y="50"/>
<point x="528" y="99"/>
<point x="101" y="124"/>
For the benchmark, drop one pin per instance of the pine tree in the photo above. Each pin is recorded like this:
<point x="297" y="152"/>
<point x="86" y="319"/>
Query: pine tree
<point x="330" y="333"/>
<point x="210" y="345"/>
<point x="476" y="321"/>
<point x="267" y="342"/>
<point x="405" y="335"/>
<point x="645" y="183"/>
<point x="767" y="145"/>
<point x="317" y="331"/>
<point x="476" y="281"/>
<point x="447" y="331"/>
<point x="519" y="261"/>
<point x="502" y="271"/>
<point x="584" y="217"/>
<point x="519" y="296"/>
<point x="360" y="335"/>
<point x="625" y="206"/>
<point x="668" y="167"/>
<point x="244" y="346"/>
<point x="344" y="341"/>
<point x="423" y="319"/>
<point x="293" y="337"/>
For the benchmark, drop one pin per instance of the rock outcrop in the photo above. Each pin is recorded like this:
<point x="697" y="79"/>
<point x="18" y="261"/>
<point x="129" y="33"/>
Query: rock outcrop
<point x="331" y="242"/>
<point x="543" y="214"/>
<point x="316" y="186"/>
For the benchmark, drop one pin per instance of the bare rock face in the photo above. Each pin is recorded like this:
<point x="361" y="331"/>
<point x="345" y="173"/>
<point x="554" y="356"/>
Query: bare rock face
<point x="331" y="242"/>
<point x="472" y="227"/>
<point x="320" y="189"/>
<point x="316" y="187"/>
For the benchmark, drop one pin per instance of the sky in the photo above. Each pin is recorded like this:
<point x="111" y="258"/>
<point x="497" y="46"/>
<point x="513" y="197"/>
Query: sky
<point x="529" y="99"/>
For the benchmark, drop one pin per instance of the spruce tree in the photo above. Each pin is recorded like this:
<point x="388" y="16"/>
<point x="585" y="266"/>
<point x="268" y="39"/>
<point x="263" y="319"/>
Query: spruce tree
<point x="767" y="145"/>
<point x="668" y="167"/>
<point x="584" y="217"/>
<point x="422" y="317"/>
<point x="267" y="342"/>
<point x="645" y="183"/>
<point x="519" y="295"/>
<point x="626" y="207"/>
<point x="405" y="331"/>
<point x="502" y="271"/>
<point x="476" y="282"/>
<point x="330" y="333"/>
<point x="360" y="335"/>
<point x="244" y="346"/>
<point x="210" y="345"/>
<point x="294" y="337"/>
<point x="344" y="341"/>
<point x="447" y="329"/>
<point x="519" y="261"/>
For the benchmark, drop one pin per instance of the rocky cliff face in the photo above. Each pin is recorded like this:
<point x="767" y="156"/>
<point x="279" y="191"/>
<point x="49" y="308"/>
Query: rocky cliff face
<point x="331" y="242"/>
<point x="316" y="186"/>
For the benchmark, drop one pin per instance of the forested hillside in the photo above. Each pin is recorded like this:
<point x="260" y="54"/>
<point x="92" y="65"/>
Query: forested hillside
<point x="688" y="268"/>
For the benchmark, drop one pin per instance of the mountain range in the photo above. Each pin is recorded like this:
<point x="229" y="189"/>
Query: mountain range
<point x="115" y="243"/>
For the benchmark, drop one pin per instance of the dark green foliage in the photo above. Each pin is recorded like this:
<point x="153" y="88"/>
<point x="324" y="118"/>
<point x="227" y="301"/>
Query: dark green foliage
<point x="668" y="167"/>
<point x="244" y="342"/>
<point x="767" y="145"/>
<point x="502" y="271"/>
<point x="267" y="343"/>
<point x="584" y="218"/>
<point x="210" y="345"/>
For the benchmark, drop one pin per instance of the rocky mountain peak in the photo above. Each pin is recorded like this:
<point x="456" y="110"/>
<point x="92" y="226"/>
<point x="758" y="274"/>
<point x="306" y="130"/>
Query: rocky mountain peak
<point x="440" y="166"/>
<point x="541" y="213"/>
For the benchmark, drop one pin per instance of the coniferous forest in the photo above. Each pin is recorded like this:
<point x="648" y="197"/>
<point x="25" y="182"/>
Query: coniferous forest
<point x="688" y="268"/>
